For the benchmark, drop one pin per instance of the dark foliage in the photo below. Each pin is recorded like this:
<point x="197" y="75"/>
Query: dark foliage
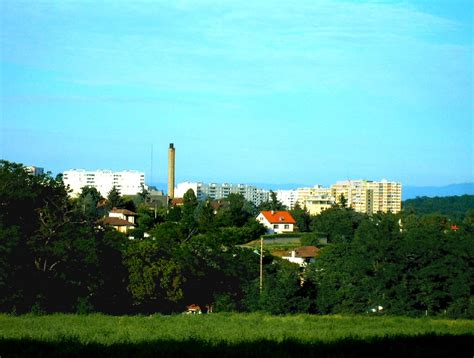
<point x="55" y="257"/>
<point x="453" y="207"/>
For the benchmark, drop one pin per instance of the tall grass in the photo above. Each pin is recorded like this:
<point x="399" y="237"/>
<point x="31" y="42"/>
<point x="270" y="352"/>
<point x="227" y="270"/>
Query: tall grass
<point x="231" y="333"/>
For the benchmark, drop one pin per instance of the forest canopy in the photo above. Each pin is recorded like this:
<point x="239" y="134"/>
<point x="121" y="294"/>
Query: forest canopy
<point x="56" y="255"/>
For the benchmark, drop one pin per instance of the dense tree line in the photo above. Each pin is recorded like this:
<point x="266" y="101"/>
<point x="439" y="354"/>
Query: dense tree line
<point x="453" y="207"/>
<point x="406" y="264"/>
<point x="55" y="255"/>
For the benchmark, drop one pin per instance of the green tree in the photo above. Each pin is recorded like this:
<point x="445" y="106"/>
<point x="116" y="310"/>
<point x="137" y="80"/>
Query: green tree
<point x="302" y="218"/>
<point x="272" y="204"/>
<point x="143" y="195"/>
<point x="154" y="277"/>
<point x="415" y="268"/>
<point x="339" y="224"/>
<point x="236" y="211"/>
<point x="205" y="216"/>
<point x="49" y="248"/>
<point x="114" y="198"/>
<point x="111" y="295"/>
<point x="188" y="210"/>
<point x="282" y="291"/>
<point x="342" y="201"/>
<point x="87" y="203"/>
<point x="452" y="207"/>
<point x="174" y="214"/>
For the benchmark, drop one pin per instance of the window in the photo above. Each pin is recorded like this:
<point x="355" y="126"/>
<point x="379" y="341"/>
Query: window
<point x="287" y="226"/>
<point x="275" y="226"/>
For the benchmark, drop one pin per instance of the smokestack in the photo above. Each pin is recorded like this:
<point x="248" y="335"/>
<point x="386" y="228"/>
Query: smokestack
<point x="171" y="156"/>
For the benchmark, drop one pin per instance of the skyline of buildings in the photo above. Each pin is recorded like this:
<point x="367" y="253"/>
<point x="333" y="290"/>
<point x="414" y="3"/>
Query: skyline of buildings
<point x="365" y="196"/>
<point x="217" y="191"/>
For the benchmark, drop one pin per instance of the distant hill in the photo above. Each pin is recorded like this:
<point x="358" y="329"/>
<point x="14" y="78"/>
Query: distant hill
<point x="454" y="207"/>
<point x="410" y="192"/>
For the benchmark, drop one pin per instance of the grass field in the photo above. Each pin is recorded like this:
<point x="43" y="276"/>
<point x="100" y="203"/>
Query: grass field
<point x="234" y="335"/>
<point x="275" y="248"/>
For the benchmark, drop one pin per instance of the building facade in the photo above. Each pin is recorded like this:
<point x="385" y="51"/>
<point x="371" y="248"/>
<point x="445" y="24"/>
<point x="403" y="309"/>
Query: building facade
<point x="315" y="199"/>
<point x="216" y="191"/>
<point x="35" y="170"/>
<point x="122" y="220"/>
<point x="277" y="222"/>
<point x="289" y="198"/>
<point x="128" y="182"/>
<point x="369" y="196"/>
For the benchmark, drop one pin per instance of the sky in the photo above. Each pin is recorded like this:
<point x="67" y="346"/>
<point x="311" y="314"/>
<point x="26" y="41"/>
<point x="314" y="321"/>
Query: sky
<point x="307" y="92"/>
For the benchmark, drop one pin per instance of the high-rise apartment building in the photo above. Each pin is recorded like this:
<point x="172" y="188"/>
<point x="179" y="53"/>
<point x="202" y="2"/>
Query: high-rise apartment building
<point x="128" y="182"/>
<point x="315" y="199"/>
<point x="386" y="196"/>
<point x="288" y="198"/>
<point x="35" y="170"/>
<point x="221" y="191"/>
<point x="368" y="196"/>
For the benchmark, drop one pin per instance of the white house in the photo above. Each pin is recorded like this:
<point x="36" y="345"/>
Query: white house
<point x="122" y="220"/>
<point x="277" y="222"/>
<point x="302" y="255"/>
<point x="123" y="214"/>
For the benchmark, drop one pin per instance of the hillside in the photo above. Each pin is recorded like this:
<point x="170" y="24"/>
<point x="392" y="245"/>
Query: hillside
<point x="454" y="207"/>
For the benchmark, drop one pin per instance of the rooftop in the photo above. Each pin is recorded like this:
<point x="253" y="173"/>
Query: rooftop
<point x="278" y="217"/>
<point x="113" y="221"/>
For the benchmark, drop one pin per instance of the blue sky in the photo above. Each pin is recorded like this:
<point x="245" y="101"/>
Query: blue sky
<point x="271" y="92"/>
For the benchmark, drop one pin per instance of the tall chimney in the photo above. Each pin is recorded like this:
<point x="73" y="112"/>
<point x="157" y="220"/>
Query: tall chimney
<point x="171" y="156"/>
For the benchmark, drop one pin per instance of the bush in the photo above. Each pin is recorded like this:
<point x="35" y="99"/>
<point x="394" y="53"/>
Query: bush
<point x="224" y="302"/>
<point x="83" y="306"/>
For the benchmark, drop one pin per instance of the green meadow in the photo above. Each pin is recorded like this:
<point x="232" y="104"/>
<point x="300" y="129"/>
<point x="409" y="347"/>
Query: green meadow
<point x="230" y="334"/>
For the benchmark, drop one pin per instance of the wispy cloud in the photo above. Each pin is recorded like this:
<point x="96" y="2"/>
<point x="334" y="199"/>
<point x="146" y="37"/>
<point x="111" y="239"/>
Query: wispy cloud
<point x="244" y="48"/>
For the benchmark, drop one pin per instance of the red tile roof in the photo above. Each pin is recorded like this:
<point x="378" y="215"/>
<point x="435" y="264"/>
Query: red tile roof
<point x="279" y="217"/>
<point x="177" y="202"/>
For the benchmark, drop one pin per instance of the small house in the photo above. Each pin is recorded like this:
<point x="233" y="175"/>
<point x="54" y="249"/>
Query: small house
<point x="302" y="255"/>
<point x="122" y="220"/>
<point x="277" y="222"/>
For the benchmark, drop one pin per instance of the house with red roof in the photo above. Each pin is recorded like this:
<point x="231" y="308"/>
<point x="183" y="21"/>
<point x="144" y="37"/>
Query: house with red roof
<point x="277" y="222"/>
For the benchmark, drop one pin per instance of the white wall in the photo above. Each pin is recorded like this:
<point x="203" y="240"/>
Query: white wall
<point x="280" y="227"/>
<point x="287" y="197"/>
<point x="182" y="188"/>
<point x="128" y="182"/>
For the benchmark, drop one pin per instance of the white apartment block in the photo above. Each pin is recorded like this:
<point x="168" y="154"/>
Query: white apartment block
<point x="128" y="182"/>
<point x="288" y="198"/>
<point x="221" y="191"/>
